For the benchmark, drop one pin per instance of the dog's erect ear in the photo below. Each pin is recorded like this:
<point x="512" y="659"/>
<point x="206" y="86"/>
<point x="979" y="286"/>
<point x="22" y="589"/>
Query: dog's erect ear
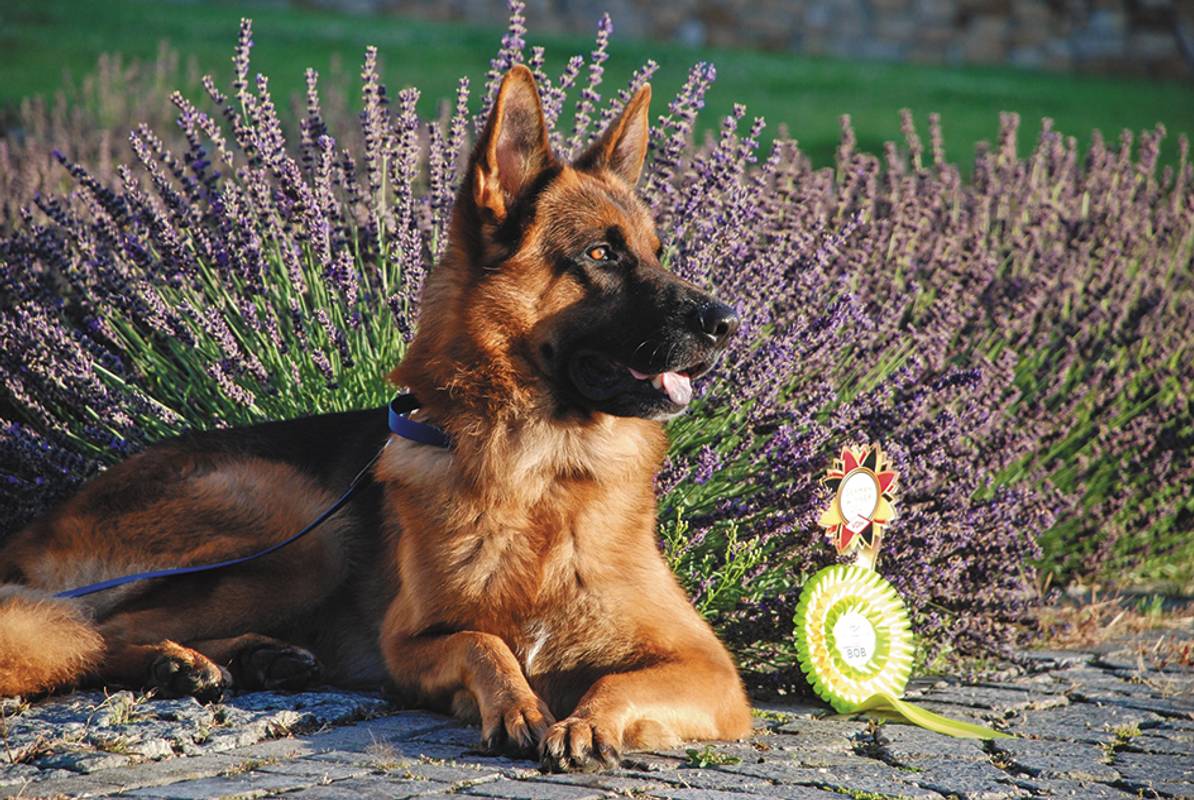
<point x="513" y="149"/>
<point x="623" y="147"/>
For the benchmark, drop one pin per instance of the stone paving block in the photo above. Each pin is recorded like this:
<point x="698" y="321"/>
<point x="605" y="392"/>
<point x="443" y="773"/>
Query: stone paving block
<point x="836" y="727"/>
<point x="451" y="734"/>
<point x="347" y="756"/>
<point x="1167" y="774"/>
<point x="1085" y="722"/>
<point x="404" y="724"/>
<point x="1038" y="683"/>
<point x="398" y="748"/>
<point x="239" y="786"/>
<point x="18" y="774"/>
<point x="617" y="783"/>
<point x="320" y="771"/>
<point x="785" y="772"/>
<point x="967" y="781"/>
<point x="680" y="793"/>
<point x="287" y="748"/>
<point x="713" y="778"/>
<point x="450" y="774"/>
<point x="372" y="733"/>
<point x="908" y="744"/>
<point x="1162" y="740"/>
<point x="997" y="699"/>
<point x="877" y="778"/>
<point x="70" y="786"/>
<point x="1162" y="706"/>
<point x="1078" y="790"/>
<point x="85" y="761"/>
<point x="372" y="789"/>
<point x="158" y="773"/>
<point x="815" y="750"/>
<point x="779" y="792"/>
<point x="532" y="790"/>
<point x="477" y="760"/>
<point x="1093" y="681"/>
<point x="819" y="743"/>
<point x="1179" y="724"/>
<point x="1048" y="758"/>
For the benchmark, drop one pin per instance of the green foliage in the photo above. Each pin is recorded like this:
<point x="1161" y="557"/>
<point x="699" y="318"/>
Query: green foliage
<point x="714" y="574"/>
<point x="708" y="756"/>
<point x="43" y="39"/>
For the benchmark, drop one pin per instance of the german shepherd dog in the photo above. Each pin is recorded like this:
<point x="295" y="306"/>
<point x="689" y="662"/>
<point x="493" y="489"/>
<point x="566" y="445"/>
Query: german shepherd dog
<point x="513" y="578"/>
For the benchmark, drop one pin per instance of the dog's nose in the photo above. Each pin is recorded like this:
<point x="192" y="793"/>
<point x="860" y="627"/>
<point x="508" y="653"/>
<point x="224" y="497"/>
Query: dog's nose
<point x="718" y="321"/>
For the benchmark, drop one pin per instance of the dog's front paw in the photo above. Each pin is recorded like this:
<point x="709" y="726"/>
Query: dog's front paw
<point x="180" y="671"/>
<point x="515" y="727"/>
<point x="580" y="744"/>
<point x="275" y="665"/>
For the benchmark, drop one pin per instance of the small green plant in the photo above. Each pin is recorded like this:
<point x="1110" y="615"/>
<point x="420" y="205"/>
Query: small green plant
<point x="707" y="756"/>
<point x="1123" y="734"/>
<point x="1127" y="731"/>
<point x="770" y="715"/>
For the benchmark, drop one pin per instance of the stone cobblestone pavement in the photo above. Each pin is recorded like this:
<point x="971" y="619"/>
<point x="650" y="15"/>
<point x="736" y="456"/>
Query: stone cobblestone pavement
<point x="1086" y="726"/>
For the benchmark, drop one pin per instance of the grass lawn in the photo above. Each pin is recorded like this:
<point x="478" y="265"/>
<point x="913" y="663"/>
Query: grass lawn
<point x="43" y="40"/>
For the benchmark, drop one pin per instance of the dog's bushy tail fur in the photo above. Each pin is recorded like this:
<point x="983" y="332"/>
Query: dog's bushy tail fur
<point x="45" y="642"/>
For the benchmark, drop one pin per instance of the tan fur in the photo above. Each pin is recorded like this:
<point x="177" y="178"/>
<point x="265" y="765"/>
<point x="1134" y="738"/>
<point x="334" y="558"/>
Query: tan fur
<point x="44" y="643"/>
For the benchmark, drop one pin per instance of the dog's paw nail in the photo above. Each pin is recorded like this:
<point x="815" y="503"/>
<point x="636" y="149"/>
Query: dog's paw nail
<point x="519" y="728"/>
<point x="578" y="745"/>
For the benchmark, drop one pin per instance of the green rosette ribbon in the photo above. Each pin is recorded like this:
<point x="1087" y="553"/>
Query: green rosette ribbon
<point x="855" y="645"/>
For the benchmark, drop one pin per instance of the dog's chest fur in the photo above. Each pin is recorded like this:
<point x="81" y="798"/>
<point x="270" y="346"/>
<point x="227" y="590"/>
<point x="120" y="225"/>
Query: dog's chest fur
<point x="504" y="551"/>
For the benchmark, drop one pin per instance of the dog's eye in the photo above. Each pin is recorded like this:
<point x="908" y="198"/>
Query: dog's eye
<point x="598" y="252"/>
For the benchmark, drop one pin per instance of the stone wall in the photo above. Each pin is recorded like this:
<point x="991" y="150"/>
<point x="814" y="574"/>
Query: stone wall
<point x="1142" y="37"/>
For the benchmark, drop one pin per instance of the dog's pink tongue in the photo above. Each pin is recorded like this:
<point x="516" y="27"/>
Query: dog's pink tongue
<point x="678" y="387"/>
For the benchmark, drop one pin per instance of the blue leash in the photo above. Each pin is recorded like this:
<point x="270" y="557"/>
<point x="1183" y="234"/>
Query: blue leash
<point x="400" y="424"/>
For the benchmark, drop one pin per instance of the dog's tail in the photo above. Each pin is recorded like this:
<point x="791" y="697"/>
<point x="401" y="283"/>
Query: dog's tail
<point x="45" y="642"/>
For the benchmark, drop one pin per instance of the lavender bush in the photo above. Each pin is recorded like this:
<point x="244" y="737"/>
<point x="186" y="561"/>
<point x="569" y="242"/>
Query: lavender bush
<point x="1020" y="343"/>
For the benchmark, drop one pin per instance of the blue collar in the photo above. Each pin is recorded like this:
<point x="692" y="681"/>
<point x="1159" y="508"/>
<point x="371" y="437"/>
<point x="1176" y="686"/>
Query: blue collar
<point x="402" y="425"/>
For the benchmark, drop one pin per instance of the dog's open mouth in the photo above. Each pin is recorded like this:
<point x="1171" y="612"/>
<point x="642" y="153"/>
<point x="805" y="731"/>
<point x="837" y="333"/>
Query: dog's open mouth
<point x="599" y="378"/>
<point x="676" y="385"/>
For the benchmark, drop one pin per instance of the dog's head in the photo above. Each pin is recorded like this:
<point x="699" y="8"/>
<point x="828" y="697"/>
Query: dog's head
<point x="551" y="289"/>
